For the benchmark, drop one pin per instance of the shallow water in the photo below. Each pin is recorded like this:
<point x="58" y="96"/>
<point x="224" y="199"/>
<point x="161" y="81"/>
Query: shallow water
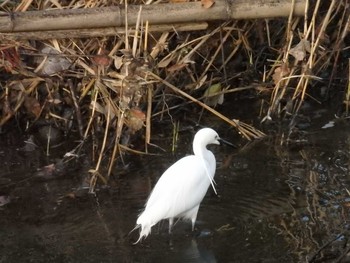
<point x="275" y="203"/>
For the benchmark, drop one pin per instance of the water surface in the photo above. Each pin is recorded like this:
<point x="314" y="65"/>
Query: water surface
<point x="275" y="203"/>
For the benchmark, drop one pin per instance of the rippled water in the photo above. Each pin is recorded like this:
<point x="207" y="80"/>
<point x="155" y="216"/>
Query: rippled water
<point x="275" y="203"/>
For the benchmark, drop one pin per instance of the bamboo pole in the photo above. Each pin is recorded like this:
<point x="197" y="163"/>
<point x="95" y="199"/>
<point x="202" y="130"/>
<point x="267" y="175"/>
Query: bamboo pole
<point x="70" y="19"/>
<point x="97" y="32"/>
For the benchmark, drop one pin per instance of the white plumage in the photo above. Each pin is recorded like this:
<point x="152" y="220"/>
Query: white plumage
<point x="180" y="190"/>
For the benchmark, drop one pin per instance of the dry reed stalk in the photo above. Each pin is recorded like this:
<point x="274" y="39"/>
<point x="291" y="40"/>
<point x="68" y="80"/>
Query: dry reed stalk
<point x="74" y="97"/>
<point x="344" y="23"/>
<point x="175" y="138"/>
<point x="307" y="71"/>
<point x="121" y="111"/>
<point x="219" y="48"/>
<point x="245" y="130"/>
<point x="347" y="93"/>
<point x="300" y="91"/>
<point x="223" y="92"/>
<point x="106" y="86"/>
<point x="280" y="89"/>
<point x="23" y="88"/>
<point x="133" y="151"/>
<point x="148" y="117"/>
<point x="95" y="173"/>
<point x="172" y="55"/>
<point x="92" y="115"/>
<point x="117" y="145"/>
<point x="237" y="44"/>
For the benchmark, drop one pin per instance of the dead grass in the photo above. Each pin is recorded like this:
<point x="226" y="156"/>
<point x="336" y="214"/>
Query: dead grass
<point x="111" y="84"/>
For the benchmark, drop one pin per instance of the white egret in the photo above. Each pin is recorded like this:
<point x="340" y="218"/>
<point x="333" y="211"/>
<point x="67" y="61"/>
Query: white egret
<point x="180" y="190"/>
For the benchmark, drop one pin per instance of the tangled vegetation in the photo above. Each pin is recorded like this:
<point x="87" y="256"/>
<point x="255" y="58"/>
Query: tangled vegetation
<point x="117" y="85"/>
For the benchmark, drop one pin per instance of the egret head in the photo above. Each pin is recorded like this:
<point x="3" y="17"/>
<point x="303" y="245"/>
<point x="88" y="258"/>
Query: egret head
<point x="206" y="136"/>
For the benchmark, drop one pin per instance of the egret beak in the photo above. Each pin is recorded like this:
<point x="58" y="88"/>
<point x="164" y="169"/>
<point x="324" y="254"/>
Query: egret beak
<point x="227" y="143"/>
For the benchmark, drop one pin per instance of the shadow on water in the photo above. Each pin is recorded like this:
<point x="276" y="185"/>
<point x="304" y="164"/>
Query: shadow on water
<point x="275" y="203"/>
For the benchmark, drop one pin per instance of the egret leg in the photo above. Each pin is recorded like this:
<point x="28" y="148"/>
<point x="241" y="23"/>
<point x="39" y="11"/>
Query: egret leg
<point x="171" y="222"/>
<point x="192" y="214"/>
<point x="193" y="223"/>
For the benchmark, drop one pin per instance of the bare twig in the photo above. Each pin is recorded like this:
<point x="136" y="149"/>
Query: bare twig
<point x="246" y="130"/>
<point x="76" y="107"/>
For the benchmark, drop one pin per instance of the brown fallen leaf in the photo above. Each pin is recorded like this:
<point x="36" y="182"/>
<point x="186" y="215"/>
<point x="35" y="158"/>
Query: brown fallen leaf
<point x="135" y="120"/>
<point x="137" y="113"/>
<point x="32" y="105"/>
<point x="207" y="3"/>
<point x="280" y="72"/>
<point x="102" y="60"/>
<point x="10" y="58"/>
<point x="71" y="195"/>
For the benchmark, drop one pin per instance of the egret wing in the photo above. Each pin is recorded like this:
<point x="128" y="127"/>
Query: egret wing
<point x="182" y="187"/>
